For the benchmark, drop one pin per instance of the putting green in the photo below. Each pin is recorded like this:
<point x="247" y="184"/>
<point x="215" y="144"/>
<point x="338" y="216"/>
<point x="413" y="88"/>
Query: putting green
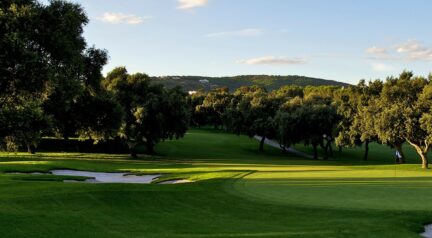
<point x="350" y="189"/>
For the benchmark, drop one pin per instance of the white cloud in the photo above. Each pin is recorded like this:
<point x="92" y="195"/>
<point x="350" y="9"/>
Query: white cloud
<point x="409" y="46"/>
<point x="376" y="50"/>
<point x="408" y="51"/>
<point x="421" y="55"/>
<point x="188" y="4"/>
<point x="413" y="50"/>
<point x="272" y="60"/>
<point x="380" y="67"/>
<point x="239" y="33"/>
<point x="117" y="18"/>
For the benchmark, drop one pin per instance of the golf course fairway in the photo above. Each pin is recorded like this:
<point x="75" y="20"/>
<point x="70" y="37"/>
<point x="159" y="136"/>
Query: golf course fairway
<point x="236" y="192"/>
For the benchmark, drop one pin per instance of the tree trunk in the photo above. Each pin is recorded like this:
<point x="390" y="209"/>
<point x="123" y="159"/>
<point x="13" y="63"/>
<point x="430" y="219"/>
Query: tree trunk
<point x="133" y="152"/>
<point x="150" y="148"/>
<point x="132" y="149"/>
<point x="330" y="148"/>
<point x="425" y="162"/>
<point x="325" y="151"/>
<point x="315" y="155"/>
<point x="398" y="147"/>
<point x="366" y="154"/>
<point x="340" y="149"/>
<point x="31" y="149"/>
<point x="261" y="145"/>
<point x="422" y="154"/>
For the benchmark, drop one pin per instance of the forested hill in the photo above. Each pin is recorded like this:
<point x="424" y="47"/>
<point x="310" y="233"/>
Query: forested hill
<point x="270" y="82"/>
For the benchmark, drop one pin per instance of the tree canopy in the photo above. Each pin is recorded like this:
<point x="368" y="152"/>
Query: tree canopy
<point x="151" y="112"/>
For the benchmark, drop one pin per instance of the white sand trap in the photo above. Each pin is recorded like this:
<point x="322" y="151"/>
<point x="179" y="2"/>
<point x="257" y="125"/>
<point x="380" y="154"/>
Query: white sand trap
<point x="90" y="180"/>
<point x="428" y="231"/>
<point x="176" y="181"/>
<point x="101" y="177"/>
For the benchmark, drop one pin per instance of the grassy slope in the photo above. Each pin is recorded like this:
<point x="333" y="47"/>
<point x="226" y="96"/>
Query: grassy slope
<point x="277" y="195"/>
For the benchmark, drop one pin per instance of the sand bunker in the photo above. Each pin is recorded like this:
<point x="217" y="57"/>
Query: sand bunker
<point x="106" y="177"/>
<point x="102" y="177"/>
<point x="428" y="231"/>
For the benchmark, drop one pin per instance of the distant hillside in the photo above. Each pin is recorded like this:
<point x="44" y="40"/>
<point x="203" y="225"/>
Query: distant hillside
<point x="270" y="82"/>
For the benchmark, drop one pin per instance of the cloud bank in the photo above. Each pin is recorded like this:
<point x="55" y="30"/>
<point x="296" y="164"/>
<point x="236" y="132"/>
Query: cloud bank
<point x="189" y="4"/>
<point x="122" y="18"/>
<point x="272" y="60"/>
<point x="410" y="50"/>
<point x="376" y="50"/>
<point x="413" y="50"/>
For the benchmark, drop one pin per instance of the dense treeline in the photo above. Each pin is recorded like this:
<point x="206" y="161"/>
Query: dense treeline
<point x="393" y="112"/>
<point x="290" y="114"/>
<point x="51" y="84"/>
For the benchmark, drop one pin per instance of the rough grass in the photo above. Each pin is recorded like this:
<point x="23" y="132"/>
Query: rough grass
<point x="239" y="193"/>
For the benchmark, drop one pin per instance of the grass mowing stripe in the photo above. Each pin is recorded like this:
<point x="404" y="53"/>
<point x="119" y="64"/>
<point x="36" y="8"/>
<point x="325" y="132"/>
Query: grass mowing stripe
<point x="240" y="193"/>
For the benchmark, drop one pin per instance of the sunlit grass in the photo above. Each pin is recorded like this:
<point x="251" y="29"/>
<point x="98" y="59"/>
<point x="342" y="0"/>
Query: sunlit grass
<point x="238" y="192"/>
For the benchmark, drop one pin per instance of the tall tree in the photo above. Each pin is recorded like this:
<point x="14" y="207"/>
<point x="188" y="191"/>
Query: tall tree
<point x="357" y="107"/>
<point x="97" y="116"/>
<point x="70" y="90"/>
<point x="311" y="120"/>
<point x="63" y="24"/>
<point x="419" y="124"/>
<point x="151" y="113"/>
<point x="291" y="123"/>
<point x="400" y="113"/>
<point x="42" y="61"/>
<point x="251" y="112"/>
<point x="214" y="105"/>
<point x="346" y="100"/>
<point x="194" y="100"/>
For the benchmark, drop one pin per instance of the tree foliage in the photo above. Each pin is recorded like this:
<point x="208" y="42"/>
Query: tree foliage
<point x="311" y="119"/>
<point x="48" y="73"/>
<point x="251" y="112"/>
<point x="151" y="112"/>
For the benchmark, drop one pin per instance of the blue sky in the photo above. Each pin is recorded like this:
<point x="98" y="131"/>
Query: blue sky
<point x="344" y="40"/>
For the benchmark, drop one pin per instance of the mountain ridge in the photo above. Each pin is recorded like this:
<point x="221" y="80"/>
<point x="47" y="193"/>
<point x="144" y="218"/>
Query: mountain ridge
<point x="270" y="82"/>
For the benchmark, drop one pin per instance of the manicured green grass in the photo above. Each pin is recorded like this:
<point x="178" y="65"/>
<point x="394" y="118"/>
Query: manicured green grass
<point x="238" y="192"/>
